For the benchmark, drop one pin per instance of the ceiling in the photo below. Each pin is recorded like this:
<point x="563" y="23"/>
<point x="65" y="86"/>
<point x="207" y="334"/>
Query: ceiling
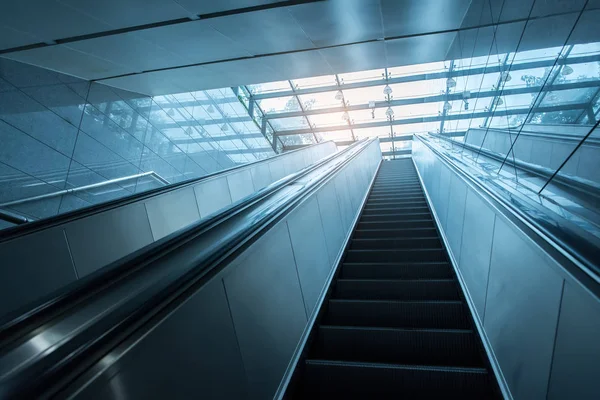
<point x="164" y="46"/>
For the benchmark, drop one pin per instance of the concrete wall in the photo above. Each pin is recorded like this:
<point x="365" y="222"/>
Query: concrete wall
<point x="238" y="334"/>
<point x="38" y="263"/>
<point x="542" y="325"/>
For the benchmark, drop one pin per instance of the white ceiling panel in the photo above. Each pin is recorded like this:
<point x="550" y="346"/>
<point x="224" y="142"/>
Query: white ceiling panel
<point x="242" y="72"/>
<point x="262" y="32"/>
<point x="194" y="41"/>
<point x="156" y="83"/>
<point x="213" y="6"/>
<point x="335" y="22"/>
<point x="69" y="61"/>
<point x="356" y="57"/>
<point x="48" y="20"/>
<point x="299" y="65"/>
<point x="418" y="49"/>
<point x="10" y="37"/>
<point x="409" y="17"/>
<point x="123" y="14"/>
<point x="127" y="49"/>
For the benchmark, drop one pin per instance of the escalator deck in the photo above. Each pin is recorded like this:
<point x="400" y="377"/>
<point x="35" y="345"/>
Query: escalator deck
<point x="395" y="324"/>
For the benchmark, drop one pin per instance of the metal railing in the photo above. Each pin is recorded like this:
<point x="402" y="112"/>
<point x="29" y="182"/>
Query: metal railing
<point x="17" y="219"/>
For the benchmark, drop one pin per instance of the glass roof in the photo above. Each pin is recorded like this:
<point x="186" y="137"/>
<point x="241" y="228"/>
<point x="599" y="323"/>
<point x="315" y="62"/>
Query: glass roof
<point x="534" y="86"/>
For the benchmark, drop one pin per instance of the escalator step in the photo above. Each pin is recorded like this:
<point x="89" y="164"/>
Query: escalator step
<point x="426" y="223"/>
<point x="397" y="201"/>
<point x="396" y="271"/>
<point x="413" y="242"/>
<point x="397" y="211"/>
<point x="396" y="192"/>
<point x="396" y="217"/>
<point x="440" y="347"/>
<point x="396" y="289"/>
<point x="394" y="233"/>
<point x="338" y="379"/>
<point x="396" y="205"/>
<point x="397" y="314"/>
<point x="396" y="255"/>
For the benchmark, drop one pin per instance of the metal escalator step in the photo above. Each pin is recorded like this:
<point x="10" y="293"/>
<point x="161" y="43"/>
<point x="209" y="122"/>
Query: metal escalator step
<point x="397" y="314"/>
<point x="394" y="233"/>
<point x="426" y="223"/>
<point x="396" y="205"/>
<point x="396" y="182"/>
<point x="396" y="211"/>
<point x="396" y="191"/>
<point x="396" y="216"/>
<point x="396" y="255"/>
<point x="396" y="243"/>
<point x="439" y="347"/>
<point x="396" y="289"/>
<point x="396" y="199"/>
<point x="400" y="217"/>
<point x="326" y="379"/>
<point x="429" y="270"/>
<point x="395" y="195"/>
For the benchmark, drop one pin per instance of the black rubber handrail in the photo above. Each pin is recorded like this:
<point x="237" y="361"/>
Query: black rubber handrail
<point x="52" y="370"/>
<point x="14" y="324"/>
<point x="37" y="225"/>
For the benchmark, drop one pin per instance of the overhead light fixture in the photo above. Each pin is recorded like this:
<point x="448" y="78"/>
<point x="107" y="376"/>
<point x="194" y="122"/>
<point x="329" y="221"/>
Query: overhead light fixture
<point x="188" y="130"/>
<point x="567" y="70"/>
<point x="450" y="83"/>
<point x="170" y="112"/>
<point x="371" y="104"/>
<point x="506" y="76"/>
<point x="466" y="94"/>
<point x="389" y="112"/>
<point x="499" y="102"/>
<point x="466" y="105"/>
<point x="447" y="106"/>
<point x="345" y="116"/>
<point x="387" y="90"/>
<point x="339" y="95"/>
<point x="210" y="109"/>
<point x="224" y="127"/>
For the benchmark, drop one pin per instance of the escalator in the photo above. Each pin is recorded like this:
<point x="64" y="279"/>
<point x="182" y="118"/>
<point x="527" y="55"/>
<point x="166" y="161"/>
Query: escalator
<point x="395" y="323"/>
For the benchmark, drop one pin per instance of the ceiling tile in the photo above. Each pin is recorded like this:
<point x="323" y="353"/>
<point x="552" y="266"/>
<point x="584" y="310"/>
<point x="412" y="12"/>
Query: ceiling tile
<point x="335" y="22"/>
<point x="128" y="49"/>
<point x="122" y="14"/>
<point x="194" y="41"/>
<point x="48" y="20"/>
<point x="356" y="57"/>
<point x="298" y="65"/>
<point x="409" y="17"/>
<point x="418" y="49"/>
<point x="10" y="38"/>
<point x="69" y="61"/>
<point x="263" y="32"/>
<point x="208" y="7"/>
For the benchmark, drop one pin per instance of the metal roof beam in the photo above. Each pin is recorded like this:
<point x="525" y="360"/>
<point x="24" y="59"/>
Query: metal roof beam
<point x="437" y="98"/>
<point x="434" y="118"/>
<point x="421" y="77"/>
